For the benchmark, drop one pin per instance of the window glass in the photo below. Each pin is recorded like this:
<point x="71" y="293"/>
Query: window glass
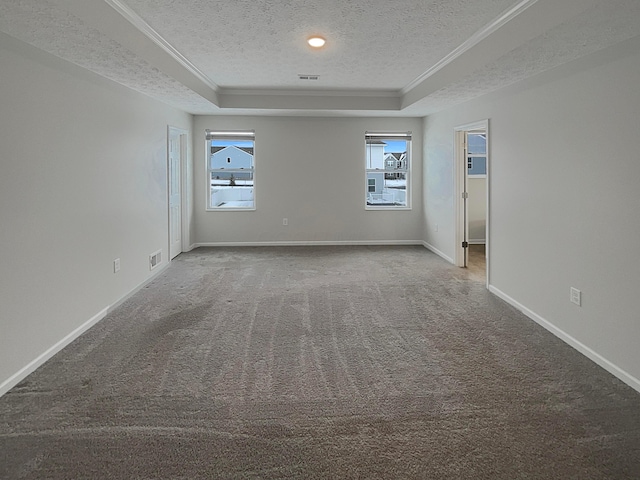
<point x="476" y="154"/>
<point x="477" y="143"/>
<point x="387" y="169"/>
<point x="230" y="180"/>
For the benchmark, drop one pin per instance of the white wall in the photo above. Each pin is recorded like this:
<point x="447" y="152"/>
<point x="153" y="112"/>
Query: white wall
<point x="564" y="199"/>
<point x="83" y="182"/>
<point x="312" y="172"/>
<point x="477" y="209"/>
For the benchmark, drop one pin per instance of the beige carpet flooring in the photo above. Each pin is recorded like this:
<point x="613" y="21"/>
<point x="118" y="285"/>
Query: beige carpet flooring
<point x="318" y="362"/>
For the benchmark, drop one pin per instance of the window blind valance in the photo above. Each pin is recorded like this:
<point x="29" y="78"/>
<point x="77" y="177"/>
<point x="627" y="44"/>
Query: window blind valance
<point x="381" y="136"/>
<point x="230" y="134"/>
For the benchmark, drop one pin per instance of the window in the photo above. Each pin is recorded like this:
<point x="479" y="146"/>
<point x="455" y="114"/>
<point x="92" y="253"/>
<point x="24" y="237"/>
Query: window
<point x="476" y="154"/>
<point x="230" y="168"/>
<point x="387" y="170"/>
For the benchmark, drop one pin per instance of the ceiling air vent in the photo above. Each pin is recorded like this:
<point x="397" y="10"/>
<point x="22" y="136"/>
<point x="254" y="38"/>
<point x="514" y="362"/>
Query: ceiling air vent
<point x="308" y="77"/>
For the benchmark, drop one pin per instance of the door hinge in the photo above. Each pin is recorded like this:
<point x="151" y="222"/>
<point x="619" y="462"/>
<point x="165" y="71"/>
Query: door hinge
<point x="465" y="195"/>
<point x="465" y="244"/>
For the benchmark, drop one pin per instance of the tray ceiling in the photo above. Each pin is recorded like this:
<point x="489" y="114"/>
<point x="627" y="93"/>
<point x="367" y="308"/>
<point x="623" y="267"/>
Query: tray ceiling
<point x="402" y="58"/>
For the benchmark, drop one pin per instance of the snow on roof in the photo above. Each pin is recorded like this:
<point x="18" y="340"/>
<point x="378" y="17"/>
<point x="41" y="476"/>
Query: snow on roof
<point x="248" y="150"/>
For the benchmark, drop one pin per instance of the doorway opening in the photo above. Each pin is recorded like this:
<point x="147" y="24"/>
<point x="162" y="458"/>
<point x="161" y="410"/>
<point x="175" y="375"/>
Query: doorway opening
<point x="472" y="187"/>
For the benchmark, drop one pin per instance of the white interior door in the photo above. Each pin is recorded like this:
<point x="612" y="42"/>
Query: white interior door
<point x="461" y="198"/>
<point x="465" y="205"/>
<point x="175" y="207"/>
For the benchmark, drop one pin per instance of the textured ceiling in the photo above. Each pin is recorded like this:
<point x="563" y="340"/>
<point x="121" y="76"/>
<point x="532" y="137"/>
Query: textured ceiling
<point x="400" y="58"/>
<point x="46" y="25"/>
<point x="261" y="43"/>
<point x="591" y="31"/>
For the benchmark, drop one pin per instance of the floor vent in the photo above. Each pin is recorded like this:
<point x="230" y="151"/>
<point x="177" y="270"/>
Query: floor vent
<point x="155" y="259"/>
<point x="308" y="77"/>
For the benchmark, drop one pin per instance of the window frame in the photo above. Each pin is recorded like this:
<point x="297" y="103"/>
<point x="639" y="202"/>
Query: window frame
<point x="229" y="135"/>
<point x="383" y="172"/>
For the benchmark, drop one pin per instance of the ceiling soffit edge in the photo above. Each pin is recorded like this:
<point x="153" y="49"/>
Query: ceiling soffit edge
<point x="324" y="101"/>
<point x="531" y="22"/>
<point x="472" y="41"/>
<point x="374" y="93"/>
<point x="133" y="18"/>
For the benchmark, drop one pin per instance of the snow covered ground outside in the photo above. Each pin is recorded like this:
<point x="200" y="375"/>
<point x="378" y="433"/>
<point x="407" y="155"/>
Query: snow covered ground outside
<point x="395" y="183"/>
<point x="232" y="196"/>
<point x="224" y="182"/>
<point x="241" y="195"/>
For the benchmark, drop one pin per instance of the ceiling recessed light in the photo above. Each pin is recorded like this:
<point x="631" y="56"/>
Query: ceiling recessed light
<point x="316" y="41"/>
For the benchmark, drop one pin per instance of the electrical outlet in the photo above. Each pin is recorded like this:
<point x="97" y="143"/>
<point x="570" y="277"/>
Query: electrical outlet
<point x="576" y="296"/>
<point x="437" y="227"/>
<point x="116" y="265"/>
<point x="285" y="221"/>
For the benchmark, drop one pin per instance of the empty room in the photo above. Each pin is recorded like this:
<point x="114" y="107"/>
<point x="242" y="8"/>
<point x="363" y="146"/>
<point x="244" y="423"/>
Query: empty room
<point x="362" y="239"/>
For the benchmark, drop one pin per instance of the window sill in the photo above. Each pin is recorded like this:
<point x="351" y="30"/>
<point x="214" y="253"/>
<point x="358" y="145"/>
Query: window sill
<point x="385" y="207"/>
<point x="231" y="209"/>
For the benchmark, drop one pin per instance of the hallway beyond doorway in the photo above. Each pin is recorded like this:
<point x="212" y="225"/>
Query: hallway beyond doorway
<point x="477" y="263"/>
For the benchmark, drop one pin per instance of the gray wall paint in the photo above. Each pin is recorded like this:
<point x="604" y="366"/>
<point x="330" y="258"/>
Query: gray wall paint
<point x="83" y="182"/>
<point x="477" y="209"/>
<point x="311" y="171"/>
<point x="563" y="197"/>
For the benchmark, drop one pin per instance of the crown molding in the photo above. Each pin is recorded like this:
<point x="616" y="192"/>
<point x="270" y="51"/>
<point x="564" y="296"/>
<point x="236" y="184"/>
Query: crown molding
<point x="133" y="18"/>
<point x="471" y="42"/>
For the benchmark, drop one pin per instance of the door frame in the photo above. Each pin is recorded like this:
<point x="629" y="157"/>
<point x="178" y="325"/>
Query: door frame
<point x="184" y="224"/>
<point x="460" y="172"/>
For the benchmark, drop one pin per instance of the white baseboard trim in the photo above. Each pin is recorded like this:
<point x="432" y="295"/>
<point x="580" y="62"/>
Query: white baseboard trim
<point x="309" y="243"/>
<point x="428" y="246"/>
<point x="594" y="356"/>
<point x="157" y="271"/>
<point x="33" y="365"/>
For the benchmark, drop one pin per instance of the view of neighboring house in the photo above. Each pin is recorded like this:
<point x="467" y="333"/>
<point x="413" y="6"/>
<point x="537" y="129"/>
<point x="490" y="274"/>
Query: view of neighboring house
<point x="375" y="161"/>
<point x="394" y="161"/>
<point x="231" y="158"/>
<point x="386" y="185"/>
<point x="231" y="174"/>
<point x="476" y="154"/>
